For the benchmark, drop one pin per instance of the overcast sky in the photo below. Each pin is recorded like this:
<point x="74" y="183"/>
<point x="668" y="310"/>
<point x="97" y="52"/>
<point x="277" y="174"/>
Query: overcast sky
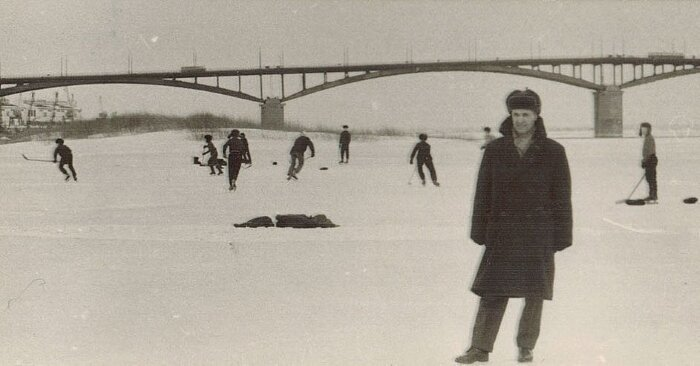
<point x="98" y="36"/>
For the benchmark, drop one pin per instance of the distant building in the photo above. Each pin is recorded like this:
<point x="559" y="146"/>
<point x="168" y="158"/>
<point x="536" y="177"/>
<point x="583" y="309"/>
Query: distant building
<point x="37" y="112"/>
<point x="11" y="115"/>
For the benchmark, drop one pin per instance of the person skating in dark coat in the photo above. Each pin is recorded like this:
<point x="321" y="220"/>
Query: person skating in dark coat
<point x="297" y="155"/>
<point x="213" y="155"/>
<point x="66" y="159"/>
<point x="236" y="150"/>
<point x="246" y="157"/>
<point x="344" y="145"/>
<point x="649" y="160"/>
<point x="422" y="150"/>
<point x="522" y="215"/>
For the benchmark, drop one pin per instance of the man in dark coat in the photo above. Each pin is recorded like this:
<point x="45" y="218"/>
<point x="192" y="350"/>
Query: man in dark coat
<point x="522" y="215"/>
<point x="344" y="145"/>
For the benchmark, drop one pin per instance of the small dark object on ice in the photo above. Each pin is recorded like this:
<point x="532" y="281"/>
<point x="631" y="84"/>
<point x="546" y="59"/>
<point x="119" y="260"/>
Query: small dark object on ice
<point x="262" y="221"/>
<point x="323" y="168"/>
<point x="639" y="202"/>
<point x="690" y="200"/>
<point x="274" y="163"/>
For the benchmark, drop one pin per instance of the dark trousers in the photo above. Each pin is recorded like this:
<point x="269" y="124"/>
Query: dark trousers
<point x="296" y="163"/>
<point x="214" y="162"/>
<point x="490" y="314"/>
<point x="429" y="164"/>
<point x="234" y="166"/>
<point x="650" y="175"/>
<point x="344" y="152"/>
<point x="70" y="166"/>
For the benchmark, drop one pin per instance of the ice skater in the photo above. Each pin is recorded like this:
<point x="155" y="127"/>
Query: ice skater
<point x="344" y="145"/>
<point x="66" y="159"/>
<point x="422" y="150"/>
<point x="236" y="151"/>
<point x="488" y="137"/>
<point x="296" y="160"/>
<point x="649" y="161"/>
<point x="213" y="155"/>
<point x="522" y="216"/>
<point x="246" y="156"/>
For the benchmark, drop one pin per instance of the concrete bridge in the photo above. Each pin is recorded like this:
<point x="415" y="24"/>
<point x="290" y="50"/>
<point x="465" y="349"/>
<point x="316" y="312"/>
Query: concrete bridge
<point x="605" y="76"/>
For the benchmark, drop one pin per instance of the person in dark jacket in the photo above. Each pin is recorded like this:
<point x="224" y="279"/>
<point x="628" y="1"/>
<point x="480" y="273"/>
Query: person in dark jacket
<point x="213" y="155"/>
<point x="246" y="158"/>
<point x="66" y="159"/>
<point x="522" y="216"/>
<point x="344" y="145"/>
<point x="297" y="155"/>
<point x="236" y="151"/>
<point x="422" y="150"/>
<point x="649" y="160"/>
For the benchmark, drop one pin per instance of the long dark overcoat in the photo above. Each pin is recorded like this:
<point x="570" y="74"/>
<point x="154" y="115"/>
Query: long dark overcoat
<point x="522" y="214"/>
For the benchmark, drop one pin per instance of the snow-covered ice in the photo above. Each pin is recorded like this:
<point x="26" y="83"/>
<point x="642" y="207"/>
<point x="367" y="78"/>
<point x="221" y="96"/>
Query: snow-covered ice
<point x="138" y="263"/>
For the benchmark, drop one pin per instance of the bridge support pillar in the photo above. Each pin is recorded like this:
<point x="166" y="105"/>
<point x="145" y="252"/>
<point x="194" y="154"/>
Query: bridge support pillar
<point x="272" y="114"/>
<point x="608" y="112"/>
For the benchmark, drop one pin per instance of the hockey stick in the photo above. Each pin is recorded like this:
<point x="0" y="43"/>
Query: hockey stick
<point x="30" y="159"/>
<point x="628" y="199"/>
<point x="413" y="173"/>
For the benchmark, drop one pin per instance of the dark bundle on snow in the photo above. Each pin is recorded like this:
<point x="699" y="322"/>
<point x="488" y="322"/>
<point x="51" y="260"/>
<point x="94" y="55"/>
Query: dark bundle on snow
<point x="304" y="222"/>
<point x="690" y="200"/>
<point x="262" y="221"/>
<point x="297" y="221"/>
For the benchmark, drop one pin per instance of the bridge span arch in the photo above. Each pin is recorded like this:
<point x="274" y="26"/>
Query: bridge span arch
<point x="22" y="88"/>
<point x="564" y="79"/>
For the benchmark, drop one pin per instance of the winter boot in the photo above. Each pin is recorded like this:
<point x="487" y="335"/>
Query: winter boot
<point x="67" y="177"/>
<point x="436" y="183"/>
<point x="525" y="355"/>
<point x="473" y="355"/>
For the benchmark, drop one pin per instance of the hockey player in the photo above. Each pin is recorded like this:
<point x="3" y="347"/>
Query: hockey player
<point x="236" y="151"/>
<point x="649" y="160"/>
<point x="246" y="157"/>
<point x="422" y="150"/>
<point x="344" y="145"/>
<point x="297" y="155"/>
<point x="213" y="155"/>
<point x="488" y="137"/>
<point x="66" y="159"/>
